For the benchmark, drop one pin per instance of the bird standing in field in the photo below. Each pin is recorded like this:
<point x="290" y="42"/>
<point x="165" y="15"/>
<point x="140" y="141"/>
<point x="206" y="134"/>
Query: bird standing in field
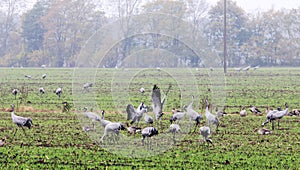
<point x="174" y="128"/>
<point x="205" y="133"/>
<point x="194" y="116"/>
<point x="142" y="90"/>
<point x="44" y="76"/>
<point x="263" y="131"/>
<point x="274" y="115"/>
<point x="20" y="121"/>
<point x="157" y="102"/>
<point x="135" y="115"/>
<point x="86" y="86"/>
<point x="211" y="119"/>
<point x="112" y="128"/>
<point x="58" y="91"/>
<point x="148" y="132"/>
<point x="15" y="92"/>
<point x="41" y="90"/>
<point x="148" y="119"/>
<point x="177" y="116"/>
<point x="243" y="112"/>
<point x="28" y="76"/>
<point x="255" y="111"/>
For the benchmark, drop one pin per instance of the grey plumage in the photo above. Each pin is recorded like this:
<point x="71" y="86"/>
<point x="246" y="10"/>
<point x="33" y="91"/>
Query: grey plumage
<point x="103" y="121"/>
<point x="58" y="91"/>
<point x="157" y="102"/>
<point x="174" y="128"/>
<point x="21" y="121"/>
<point x="28" y="76"/>
<point x="112" y="128"/>
<point x="255" y="110"/>
<point x="243" y="112"/>
<point x="194" y="116"/>
<point x="41" y="90"/>
<point x="274" y="115"/>
<point x="148" y="132"/>
<point x="211" y="119"/>
<point x="135" y="115"/>
<point x="15" y="92"/>
<point x="177" y="116"/>
<point x="142" y="90"/>
<point x="205" y="133"/>
<point x="263" y="131"/>
<point x="44" y="76"/>
<point x="86" y="86"/>
<point x="95" y="117"/>
<point x="148" y="119"/>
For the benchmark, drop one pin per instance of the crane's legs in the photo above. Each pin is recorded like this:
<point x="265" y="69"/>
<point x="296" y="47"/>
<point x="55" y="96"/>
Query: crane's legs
<point x="14" y="134"/>
<point x="24" y="130"/>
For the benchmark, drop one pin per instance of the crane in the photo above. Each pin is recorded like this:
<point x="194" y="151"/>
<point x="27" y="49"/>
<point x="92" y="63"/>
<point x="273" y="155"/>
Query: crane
<point x="274" y="115"/>
<point x="113" y="127"/>
<point x="255" y="110"/>
<point x="86" y="86"/>
<point x="194" y="116"/>
<point x="58" y="91"/>
<point x="174" y="128"/>
<point x="157" y="102"/>
<point x="20" y="121"/>
<point x="41" y="90"/>
<point x="205" y="133"/>
<point x="148" y="119"/>
<point x="28" y="76"/>
<point x="142" y="90"/>
<point x="135" y="115"/>
<point x="177" y="116"/>
<point x="148" y="132"/>
<point x="212" y="119"/>
<point x="44" y="76"/>
<point x="243" y="112"/>
<point x="15" y="92"/>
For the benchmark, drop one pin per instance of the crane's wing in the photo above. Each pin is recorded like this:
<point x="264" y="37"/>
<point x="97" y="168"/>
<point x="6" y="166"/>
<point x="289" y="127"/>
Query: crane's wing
<point x="156" y="101"/>
<point x="130" y="111"/>
<point x="92" y="115"/>
<point x="19" y="120"/>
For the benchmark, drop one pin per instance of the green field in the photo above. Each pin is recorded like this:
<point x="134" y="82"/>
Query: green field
<point x="57" y="139"/>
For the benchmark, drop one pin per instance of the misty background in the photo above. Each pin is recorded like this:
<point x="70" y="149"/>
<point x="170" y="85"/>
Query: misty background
<point x="53" y="32"/>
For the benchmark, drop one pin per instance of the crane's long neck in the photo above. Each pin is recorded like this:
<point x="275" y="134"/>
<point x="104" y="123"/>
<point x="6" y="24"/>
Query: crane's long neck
<point x="190" y="106"/>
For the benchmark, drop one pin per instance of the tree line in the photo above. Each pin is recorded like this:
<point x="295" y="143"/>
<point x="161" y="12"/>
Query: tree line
<point x="53" y="32"/>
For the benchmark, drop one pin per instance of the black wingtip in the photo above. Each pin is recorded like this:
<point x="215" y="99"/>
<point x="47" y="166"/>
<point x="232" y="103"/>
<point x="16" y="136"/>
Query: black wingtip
<point x="155" y="87"/>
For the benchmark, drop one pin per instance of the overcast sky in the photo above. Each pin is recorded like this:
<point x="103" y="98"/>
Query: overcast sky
<point x="264" y="5"/>
<point x="249" y="5"/>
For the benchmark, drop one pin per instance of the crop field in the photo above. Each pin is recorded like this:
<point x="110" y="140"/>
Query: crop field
<point x="57" y="139"/>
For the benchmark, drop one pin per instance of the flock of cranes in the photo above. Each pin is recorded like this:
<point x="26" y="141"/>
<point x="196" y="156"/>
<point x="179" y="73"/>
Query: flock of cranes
<point x="135" y="115"/>
<point x="42" y="91"/>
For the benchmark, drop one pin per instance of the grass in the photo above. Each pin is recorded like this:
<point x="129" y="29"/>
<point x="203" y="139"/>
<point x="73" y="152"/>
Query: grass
<point x="57" y="140"/>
